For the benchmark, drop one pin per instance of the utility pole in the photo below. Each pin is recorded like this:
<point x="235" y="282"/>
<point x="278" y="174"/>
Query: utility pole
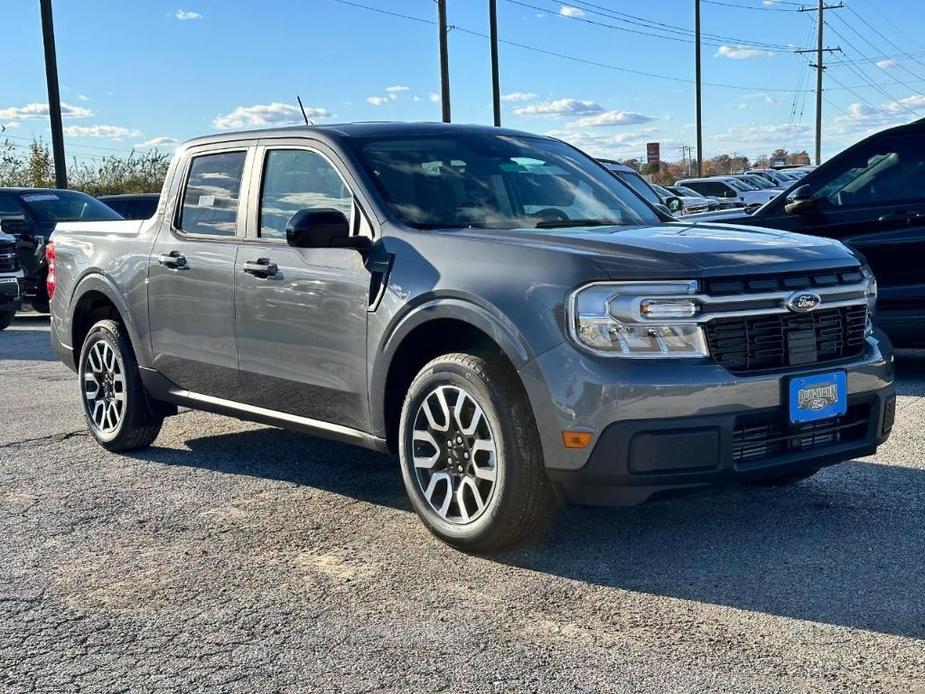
<point x="495" y="75"/>
<point x="444" y="61"/>
<point x="54" y="96"/>
<point x="820" y="52"/>
<point x="699" y="87"/>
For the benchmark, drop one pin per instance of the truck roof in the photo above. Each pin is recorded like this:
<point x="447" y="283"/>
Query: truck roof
<point x="337" y="131"/>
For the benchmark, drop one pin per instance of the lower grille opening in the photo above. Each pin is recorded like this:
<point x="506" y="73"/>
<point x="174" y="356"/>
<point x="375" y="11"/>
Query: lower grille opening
<point x="769" y="436"/>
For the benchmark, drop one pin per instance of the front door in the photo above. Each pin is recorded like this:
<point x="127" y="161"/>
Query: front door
<point x="191" y="278"/>
<point x="300" y="312"/>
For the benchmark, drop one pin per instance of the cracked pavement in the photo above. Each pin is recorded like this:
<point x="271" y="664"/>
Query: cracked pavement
<point x="237" y="557"/>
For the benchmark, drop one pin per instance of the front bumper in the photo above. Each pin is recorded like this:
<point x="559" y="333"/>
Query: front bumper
<point x="9" y="294"/>
<point x="661" y="426"/>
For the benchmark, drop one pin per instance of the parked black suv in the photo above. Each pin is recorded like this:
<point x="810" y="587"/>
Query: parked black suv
<point x="871" y="197"/>
<point x="29" y="215"/>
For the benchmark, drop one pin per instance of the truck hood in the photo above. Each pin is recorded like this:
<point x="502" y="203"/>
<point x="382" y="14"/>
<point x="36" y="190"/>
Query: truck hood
<point x="680" y="249"/>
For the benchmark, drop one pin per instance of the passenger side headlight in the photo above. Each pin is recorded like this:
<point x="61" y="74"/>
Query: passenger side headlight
<point x="637" y="320"/>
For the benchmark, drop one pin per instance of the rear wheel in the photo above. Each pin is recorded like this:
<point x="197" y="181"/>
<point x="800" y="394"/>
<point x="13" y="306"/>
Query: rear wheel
<point x="6" y="317"/>
<point x="471" y="458"/>
<point x="113" y="397"/>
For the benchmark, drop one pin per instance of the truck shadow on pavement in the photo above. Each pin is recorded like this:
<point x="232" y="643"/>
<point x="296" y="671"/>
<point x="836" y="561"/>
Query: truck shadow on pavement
<point x="845" y="547"/>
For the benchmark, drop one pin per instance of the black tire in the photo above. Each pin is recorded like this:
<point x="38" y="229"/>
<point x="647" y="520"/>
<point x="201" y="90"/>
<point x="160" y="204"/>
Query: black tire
<point x="40" y="306"/>
<point x="6" y="317"/>
<point x="521" y="498"/>
<point x="138" y="426"/>
<point x="784" y="480"/>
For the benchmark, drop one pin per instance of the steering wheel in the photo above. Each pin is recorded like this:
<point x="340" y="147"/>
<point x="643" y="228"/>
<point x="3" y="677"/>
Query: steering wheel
<point x="553" y="215"/>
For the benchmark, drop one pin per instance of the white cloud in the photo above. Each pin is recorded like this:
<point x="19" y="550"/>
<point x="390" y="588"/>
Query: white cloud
<point x="611" y="118"/>
<point x="113" y="132"/>
<point x="433" y="96"/>
<point x="377" y="100"/>
<point x="186" y="15"/>
<point x="741" y="52"/>
<point x="394" y="91"/>
<point x="167" y="142"/>
<point x="560" y="107"/>
<point x="569" y="11"/>
<point x="263" y="115"/>
<point x="622" y="145"/>
<point x="41" y="111"/>
<point x="518" y="96"/>
<point x="83" y="97"/>
<point x="885" y="64"/>
<point x="768" y="2"/>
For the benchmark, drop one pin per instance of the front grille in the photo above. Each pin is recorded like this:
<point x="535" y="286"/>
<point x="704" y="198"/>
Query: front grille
<point x="764" y="343"/>
<point x="758" y="438"/>
<point x="793" y="281"/>
<point x="8" y="262"/>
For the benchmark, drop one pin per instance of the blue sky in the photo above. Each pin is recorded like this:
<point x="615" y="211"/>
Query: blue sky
<point x="141" y="74"/>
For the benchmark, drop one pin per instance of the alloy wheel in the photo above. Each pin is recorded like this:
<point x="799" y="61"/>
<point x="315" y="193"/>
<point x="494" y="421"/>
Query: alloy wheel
<point x="455" y="454"/>
<point x="103" y="387"/>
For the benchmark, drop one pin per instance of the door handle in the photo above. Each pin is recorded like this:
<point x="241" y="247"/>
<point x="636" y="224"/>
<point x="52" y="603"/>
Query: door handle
<point x="173" y="260"/>
<point x="262" y="268"/>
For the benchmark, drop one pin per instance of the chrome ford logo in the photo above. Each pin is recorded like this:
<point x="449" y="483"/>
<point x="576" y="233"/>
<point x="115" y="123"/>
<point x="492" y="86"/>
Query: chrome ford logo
<point x="803" y="302"/>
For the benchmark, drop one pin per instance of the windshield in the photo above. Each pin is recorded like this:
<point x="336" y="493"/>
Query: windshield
<point x="495" y="181"/>
<point x="638" y="183"/>
<point x="740" y="185"/>
<point x="66" y="206"/>
<point x="758" y="182"/>
<point x="684" y="190"/>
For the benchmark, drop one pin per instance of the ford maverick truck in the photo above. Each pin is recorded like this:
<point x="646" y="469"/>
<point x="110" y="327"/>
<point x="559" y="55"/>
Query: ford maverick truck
<point x="495" y="308"/>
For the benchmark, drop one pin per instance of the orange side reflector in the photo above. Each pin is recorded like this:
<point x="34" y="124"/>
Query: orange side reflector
<point x="576" y="439"/>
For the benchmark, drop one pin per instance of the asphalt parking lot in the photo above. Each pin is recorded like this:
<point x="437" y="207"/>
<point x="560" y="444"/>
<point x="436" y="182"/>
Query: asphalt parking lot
<point x="236" y="557"/>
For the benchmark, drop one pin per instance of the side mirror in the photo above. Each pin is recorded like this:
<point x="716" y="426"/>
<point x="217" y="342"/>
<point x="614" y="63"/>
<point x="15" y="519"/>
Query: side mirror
<point x="674" y="204"/>
<point x="322" y="228"/>
<point x="16" y="227"/>
<point x="800" y="201"/>
<point x="664" y="209"/>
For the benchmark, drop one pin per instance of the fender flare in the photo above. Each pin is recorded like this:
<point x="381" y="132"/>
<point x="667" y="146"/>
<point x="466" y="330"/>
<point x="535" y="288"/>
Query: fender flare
<point x="97" y="282"/>
<point x="504" y="334"/>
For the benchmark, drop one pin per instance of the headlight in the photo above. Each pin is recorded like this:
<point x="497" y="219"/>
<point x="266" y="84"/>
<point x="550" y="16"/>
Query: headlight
<point x="871" y="293"/>
<point x="637" y="320"/>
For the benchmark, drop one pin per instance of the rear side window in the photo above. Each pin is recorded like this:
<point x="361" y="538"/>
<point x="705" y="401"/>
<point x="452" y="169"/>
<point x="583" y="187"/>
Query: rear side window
<point x="210" y="203"/>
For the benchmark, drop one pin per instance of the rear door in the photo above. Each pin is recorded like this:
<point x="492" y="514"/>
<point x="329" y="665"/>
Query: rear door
<point x="191" y="274"/>
<point x="302" y="329"/>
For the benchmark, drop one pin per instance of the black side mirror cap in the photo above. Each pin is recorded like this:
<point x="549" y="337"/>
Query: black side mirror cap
<point x="664" y="210"/>
<point x="800" y="201"/>
<point x="322" y="228"/>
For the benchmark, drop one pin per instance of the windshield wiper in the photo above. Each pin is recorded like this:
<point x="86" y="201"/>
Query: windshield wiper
<point x="557" y="223"/>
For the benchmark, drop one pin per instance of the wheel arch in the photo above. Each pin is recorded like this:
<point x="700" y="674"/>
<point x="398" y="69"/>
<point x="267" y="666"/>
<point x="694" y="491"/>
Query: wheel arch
<point x="438" y="327"/>
<point x="96" y="297"/>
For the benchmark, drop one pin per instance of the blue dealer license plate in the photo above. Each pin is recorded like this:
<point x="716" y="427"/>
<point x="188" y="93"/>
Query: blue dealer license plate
<point x="821" y="396"/>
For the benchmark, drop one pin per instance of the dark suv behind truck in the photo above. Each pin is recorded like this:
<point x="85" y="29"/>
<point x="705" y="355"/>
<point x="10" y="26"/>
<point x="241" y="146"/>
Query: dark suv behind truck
<point x="494" y="307"/>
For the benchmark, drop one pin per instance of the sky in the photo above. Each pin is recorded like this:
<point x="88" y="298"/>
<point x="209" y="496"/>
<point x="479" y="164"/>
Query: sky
<point x="607" y="75"/>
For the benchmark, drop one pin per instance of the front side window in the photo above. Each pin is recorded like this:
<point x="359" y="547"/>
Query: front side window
<point x="495" y="181"/>
<point x="890" y="171"/>
<point x="296" y="179"/>
<point x="212" y="196"/>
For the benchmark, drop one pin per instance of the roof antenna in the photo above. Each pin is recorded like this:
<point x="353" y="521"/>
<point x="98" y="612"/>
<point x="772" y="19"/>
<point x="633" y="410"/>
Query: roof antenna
<point x="307" y="122"/>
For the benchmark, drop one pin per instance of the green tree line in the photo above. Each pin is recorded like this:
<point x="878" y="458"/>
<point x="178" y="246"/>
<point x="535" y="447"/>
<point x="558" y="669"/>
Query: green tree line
<point x="139" y="172"/>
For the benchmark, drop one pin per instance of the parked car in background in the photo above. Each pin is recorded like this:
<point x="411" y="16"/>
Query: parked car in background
<point x="729" y="188"/>
<point x="492" y="306"/>
<point x="871" y="197"/>
<point x="757" y="182"/>
<point x="689" y="204"/>
<point x="778" y="179"/>
<point x="133" y="205"/>
<point x="714" y="202"/>
<point x="29" y="215"/>
<point x="9" y="280"/>
<point x="643" y="188"/>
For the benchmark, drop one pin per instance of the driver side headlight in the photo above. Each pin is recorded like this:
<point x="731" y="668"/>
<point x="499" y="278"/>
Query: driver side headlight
<point x="871" y="293"/>
<point x="637" y="319"/>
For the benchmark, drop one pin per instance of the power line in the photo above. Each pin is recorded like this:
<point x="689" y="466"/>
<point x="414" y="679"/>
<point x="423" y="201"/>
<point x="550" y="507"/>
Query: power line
<point x="753" y="7"/>
<point x="875" y="47"/>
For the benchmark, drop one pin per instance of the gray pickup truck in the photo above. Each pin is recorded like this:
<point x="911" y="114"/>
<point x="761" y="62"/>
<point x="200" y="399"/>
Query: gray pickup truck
<point x="494" y="307"/>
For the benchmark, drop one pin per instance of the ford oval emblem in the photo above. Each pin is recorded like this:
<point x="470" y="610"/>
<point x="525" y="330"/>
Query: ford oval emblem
<point x="803" y="302"/>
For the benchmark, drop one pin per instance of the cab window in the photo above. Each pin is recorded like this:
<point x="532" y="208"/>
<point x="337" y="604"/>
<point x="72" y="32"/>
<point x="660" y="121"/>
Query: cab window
<point x="212" y="195"/>
<point x="298" y="179"/>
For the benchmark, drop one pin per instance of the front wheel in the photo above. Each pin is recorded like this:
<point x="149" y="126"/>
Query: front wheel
<point x="470" y="453"/>
<point x="6" y="317"/>
<point x="114" y="401"/>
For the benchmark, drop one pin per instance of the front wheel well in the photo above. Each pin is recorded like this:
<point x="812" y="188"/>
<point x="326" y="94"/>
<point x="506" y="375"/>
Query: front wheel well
<point x="421" y="345"/>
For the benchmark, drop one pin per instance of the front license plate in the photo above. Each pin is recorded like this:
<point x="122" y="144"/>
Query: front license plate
<point x="821" y="396"/>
